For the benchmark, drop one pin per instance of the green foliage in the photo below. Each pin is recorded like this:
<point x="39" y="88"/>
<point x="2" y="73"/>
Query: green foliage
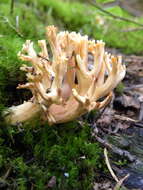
<point x="120" y="162"/>
<point x="104" y="1"/>
<point x="120" y="88"/>
<point x="67" y="152"/>
<point x="24" y="16"/>
<point x="10" y="45"/>
<point x="10" y="74"/>
<point x="74" y="17"/>
<point x="69" y="13"/>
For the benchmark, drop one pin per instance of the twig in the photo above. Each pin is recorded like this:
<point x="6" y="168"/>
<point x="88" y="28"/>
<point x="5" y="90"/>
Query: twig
<point x="17" y="22"/>
<point x="7" y="173"/>
<point x="118" y="151"/>
<point x="6" y="20"/>
<point x="123" y="118"/>
<point x="111" y="4"/>
<point x="104" y="109"/>
<point x="11" y="6"/>
<point x="98" y="116"/>
<point x="132" y="58"/>
<point x="141" y="112"/>
<point x="3" y="181"/>
<point x="140" y="125"/>
<point x="132" y="29"/>
<point x="134" y="87"/>
<point x="112" y="15"/>
<point x="120" y="182"/>
<point x="109" y="166"/>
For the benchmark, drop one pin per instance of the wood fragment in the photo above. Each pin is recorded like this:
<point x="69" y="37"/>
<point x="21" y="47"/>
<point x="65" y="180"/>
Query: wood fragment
<point x="109" y="166"/>
<point x="92" y="2"/>
<point x="124" y="118"/>
<point x="118" y="151"/>
<point x="6" y="20"/>
<point x="120" y="182"/>
<point x="11" y="6"/>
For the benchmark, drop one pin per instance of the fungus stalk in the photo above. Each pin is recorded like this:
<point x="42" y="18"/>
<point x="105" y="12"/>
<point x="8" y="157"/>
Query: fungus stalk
<point x="66" y="85"/>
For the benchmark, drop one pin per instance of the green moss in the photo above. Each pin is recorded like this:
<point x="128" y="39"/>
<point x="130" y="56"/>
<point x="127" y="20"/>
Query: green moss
<point x="74" y="17"/>
<point x="104" y="1"/>
<point x="120" y="88"/>
<point x="67" y="152"/>
<point x="10" y="74"/>
<point x="27" y="22"/>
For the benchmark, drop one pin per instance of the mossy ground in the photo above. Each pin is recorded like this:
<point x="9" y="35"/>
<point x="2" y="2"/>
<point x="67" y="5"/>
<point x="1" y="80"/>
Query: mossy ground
<point x="33" y="154"/>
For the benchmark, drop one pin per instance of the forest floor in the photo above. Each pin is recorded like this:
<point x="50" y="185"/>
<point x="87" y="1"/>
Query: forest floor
<point x="119" y="128"/>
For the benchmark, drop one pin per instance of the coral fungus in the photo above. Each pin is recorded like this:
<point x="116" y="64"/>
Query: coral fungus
<point x="66" y="85"/>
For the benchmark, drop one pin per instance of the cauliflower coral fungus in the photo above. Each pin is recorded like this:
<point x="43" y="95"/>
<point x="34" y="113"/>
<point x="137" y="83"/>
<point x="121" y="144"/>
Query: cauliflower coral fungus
<point x="65" y="85"/>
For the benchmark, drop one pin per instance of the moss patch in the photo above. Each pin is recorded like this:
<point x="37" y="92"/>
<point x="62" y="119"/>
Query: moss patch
<point x="34" y="156"/>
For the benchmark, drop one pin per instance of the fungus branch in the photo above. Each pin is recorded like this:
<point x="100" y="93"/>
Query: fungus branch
<point x="65" y="88"/>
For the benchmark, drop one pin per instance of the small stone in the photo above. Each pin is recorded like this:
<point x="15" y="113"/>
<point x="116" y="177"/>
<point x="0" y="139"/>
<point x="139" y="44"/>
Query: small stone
<point x="66" y="174"/>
